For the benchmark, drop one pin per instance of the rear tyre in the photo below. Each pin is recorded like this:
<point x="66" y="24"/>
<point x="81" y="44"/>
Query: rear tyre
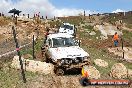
<point x="44" y="58"/>
<point x="43" y="54"/>
<point x="47" y="60"/>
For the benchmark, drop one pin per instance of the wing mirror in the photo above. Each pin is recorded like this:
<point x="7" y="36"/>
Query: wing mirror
<point x="78" y="42"/>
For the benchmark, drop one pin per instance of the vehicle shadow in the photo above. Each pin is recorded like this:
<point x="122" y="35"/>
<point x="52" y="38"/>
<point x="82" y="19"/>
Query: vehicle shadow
<point x="76" y="71"/>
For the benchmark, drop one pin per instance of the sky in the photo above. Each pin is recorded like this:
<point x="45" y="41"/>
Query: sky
<point x="66" y="7"/>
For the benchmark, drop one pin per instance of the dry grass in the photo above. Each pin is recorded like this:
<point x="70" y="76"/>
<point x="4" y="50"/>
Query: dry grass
<point x="4" y="21"/>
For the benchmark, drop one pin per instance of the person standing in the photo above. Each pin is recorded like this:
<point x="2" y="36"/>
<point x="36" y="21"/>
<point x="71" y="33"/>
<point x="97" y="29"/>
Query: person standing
<point x="116" y="39"/>
<point x="46" y="34"/>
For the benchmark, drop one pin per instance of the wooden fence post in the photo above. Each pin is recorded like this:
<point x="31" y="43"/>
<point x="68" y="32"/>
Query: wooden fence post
<point x="33" y="47"/>
<point x="18" y="52"/>
<point x="122" y="47"/>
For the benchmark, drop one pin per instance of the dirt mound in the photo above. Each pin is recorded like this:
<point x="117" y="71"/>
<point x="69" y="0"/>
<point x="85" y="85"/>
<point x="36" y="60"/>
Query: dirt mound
<point x="55" y="82"/>
<point x="119" y="71"/>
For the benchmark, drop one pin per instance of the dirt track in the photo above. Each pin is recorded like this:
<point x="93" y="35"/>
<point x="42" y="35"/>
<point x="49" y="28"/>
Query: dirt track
<point x="71" y="81"/>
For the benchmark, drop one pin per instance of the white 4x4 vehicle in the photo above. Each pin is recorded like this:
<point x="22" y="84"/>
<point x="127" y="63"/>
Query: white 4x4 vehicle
<point x="68" y="28"/>
<point x="63" y="51"/>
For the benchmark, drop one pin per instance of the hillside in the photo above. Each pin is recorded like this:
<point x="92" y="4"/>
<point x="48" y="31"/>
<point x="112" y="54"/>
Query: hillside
<point x="95" y="33"/>
<point x="125" y="17"/>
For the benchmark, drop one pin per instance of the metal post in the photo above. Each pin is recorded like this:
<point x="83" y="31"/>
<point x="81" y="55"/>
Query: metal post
<point x="84" y="15"/>
<point x="28" y="15"/>
<point x="15" y="19"/>
<point x="54" y="17"/>
<point x="79" y="43"/>
<point x="34" y="15"/>
<point x="2" y="14"/>
<point x="42" y="17"/>
<point x="122" y="48"/>
<point x="18" y="52"/>
<point x="33" y="46"/>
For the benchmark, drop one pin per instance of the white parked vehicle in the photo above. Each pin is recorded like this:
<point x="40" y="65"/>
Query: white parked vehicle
<point x="63" y="51"/>
<point x="68" y="28"/>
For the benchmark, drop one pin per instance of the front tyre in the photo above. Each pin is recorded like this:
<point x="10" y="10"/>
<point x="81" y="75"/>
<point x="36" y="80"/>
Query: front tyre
<point x="59" y="71"/>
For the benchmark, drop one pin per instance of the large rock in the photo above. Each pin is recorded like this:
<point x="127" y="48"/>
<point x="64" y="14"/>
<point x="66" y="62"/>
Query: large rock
<point x="103" y="37"/>
<point x="101" y="63"/>
<point x="92" y="33"/>
<point x="16" y="63"/>
<point x="96" y="27"/>
<point x="82" y="25"/>
<point x="33" y="66"/>
<point x="129" y="73"/>
<point x="119" y="71"/>
<point x="92" y="72"/>
<point x="107" y="29"/>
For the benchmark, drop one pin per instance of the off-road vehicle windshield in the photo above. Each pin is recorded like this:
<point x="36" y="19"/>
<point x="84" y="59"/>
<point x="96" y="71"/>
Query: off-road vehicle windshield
<point x="63" y="42"/>
<point x="67" y="27"/>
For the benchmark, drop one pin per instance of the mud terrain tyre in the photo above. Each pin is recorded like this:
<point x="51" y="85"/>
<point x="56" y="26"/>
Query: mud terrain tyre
<point x="43" y="54"/>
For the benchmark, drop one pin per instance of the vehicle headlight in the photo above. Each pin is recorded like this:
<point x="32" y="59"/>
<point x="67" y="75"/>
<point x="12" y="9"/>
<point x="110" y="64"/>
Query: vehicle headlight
<point x="85" y="57"/>
<point x="60" y="62"/>
<point x="67" y="61"/>
<point x="76" y="60"/>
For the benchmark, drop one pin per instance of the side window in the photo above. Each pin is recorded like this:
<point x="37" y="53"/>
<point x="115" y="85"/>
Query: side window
<point x="49" y="42"/>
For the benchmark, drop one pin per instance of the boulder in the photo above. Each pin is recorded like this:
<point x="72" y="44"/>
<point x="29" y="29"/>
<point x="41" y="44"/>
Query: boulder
<point x="93" y="73"/>
<point x="96" y="27"/>
<point x="129" y="73"/>
<point x="106" y="24"/>
<point x="102" y="37"/>
<point x="82" y="25"/>
<point x="101" y="63"/>
<point x="86" y="29"/>
<point x="92" y="33"/>
<point x="128" y="56"/>
<point x="119" y="71"/>
<point x="126" y="49"/>
<point x="16" y="63"/>
<point x="33" y="66"/>
<point x="97" y="37"/>
<point x="113" y="50"/>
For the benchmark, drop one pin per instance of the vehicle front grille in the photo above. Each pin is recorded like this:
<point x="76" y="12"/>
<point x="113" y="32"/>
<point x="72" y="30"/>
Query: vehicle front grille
<point x="72" y="60"/>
